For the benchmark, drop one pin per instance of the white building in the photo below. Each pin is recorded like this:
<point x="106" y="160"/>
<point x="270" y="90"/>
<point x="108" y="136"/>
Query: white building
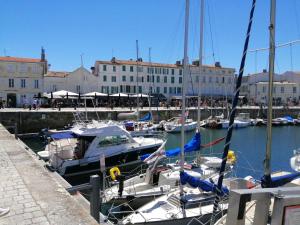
<point x="80" y="81"/>
<point x="21" y="79"/>
<point x="122" y="76"/>
<point x="283" y="92"/>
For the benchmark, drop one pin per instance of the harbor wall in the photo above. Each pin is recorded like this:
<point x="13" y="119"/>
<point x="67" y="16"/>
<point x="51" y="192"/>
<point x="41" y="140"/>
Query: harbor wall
<point x="33" y="121"/>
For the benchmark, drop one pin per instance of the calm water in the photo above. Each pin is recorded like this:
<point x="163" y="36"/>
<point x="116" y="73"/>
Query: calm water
<point x="248" y="143"/>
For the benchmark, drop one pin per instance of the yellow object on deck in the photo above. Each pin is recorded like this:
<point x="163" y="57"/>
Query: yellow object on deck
<point x="231" y="157"/>
<point x="114" y="172"/>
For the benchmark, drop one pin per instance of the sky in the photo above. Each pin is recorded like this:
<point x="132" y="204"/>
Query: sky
<point x="100" y="29"/>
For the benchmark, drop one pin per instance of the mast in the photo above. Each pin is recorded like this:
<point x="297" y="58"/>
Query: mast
<point x="200" y="60"/>
<point x="84" y="87"/>
<point x="149" y="94"/>
<point x="137" y="80"/>
<point x="267" y="173"/>
<point x="185" y="74"/>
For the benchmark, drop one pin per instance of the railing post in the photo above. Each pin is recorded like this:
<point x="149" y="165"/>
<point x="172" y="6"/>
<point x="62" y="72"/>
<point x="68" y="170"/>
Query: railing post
<point x="16" y="130"/>
<point x="95" y="197"/>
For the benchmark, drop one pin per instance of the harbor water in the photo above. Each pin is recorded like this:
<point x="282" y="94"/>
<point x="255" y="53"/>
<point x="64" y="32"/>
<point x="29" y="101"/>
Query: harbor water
<point x="248" y="144"/>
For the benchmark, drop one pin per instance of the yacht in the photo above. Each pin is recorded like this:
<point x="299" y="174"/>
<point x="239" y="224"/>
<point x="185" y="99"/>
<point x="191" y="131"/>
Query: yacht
<point x="78" y="150"/>
<point x="173" y="125"/>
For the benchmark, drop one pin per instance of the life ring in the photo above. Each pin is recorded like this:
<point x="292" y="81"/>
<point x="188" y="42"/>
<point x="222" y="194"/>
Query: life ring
<point x="231" y="157"/>
<point x="114" y="172"/>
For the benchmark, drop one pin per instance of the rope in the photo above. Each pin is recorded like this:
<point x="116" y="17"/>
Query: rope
<point x="232" y="115"/>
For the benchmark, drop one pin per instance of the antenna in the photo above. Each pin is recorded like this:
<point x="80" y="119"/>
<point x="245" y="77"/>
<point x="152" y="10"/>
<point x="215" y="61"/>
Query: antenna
<point x="81" y="59"/>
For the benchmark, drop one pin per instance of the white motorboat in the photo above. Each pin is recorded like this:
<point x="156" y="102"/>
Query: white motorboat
<point x="159" y="180"/>
<point x="173" y="125"/>
<point x="79" y="149"/>
<point x="236" y="124"/>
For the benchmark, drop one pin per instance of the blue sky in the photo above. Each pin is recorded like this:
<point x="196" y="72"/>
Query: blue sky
<point x="100" y="29"/>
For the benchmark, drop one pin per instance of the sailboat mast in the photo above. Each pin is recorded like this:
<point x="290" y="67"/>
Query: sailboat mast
<point x="200" y="60"/>
<point x="267" y="172"/>
<point x="137" y="80"/>
<point x="185" y="74"/>
<point x="149" y="94"/>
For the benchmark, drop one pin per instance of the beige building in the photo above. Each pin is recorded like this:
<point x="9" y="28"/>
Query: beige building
<point x="80" y="81"/>
<point x="129" y="76"/>
<point x="21" y="79"/>
<point x="283" y="92"/>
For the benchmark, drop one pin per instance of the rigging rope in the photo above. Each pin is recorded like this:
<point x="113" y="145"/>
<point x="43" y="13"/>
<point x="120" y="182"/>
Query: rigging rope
<point x="211" y="36"/>
<point x="232" y="116"/>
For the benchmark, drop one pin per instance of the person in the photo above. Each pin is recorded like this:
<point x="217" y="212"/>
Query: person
<point x="3" y="211"/>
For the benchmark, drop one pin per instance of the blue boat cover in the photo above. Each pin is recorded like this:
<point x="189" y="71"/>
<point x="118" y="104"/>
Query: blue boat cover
<point x="63" y="135"/>
<point x="279" y="180"/>
<point x="205" y="185"/>
<point x="147" y="117"/>
<point x="193" y="145"/>
<point x="289" y="118"/>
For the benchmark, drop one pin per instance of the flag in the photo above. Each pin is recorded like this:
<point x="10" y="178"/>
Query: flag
<point x="159" y="153"/>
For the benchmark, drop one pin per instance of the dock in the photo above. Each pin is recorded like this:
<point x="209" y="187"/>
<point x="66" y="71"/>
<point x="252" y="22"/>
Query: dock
<point x="34" y="194"/>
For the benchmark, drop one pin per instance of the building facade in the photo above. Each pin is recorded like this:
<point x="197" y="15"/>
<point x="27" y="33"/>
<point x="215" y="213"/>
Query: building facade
<point x="129" y="76"/>
<point x="80" y="81"/>
<point x="21" y="79"/>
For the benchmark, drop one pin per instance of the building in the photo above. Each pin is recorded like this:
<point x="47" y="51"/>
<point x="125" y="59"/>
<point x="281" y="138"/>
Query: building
<point x="283" y="92"/>
<point x="130" y="76"/>
<point x="21" y="79"/>
<point x="285" y="87"/>
<point x="80" y="81"/>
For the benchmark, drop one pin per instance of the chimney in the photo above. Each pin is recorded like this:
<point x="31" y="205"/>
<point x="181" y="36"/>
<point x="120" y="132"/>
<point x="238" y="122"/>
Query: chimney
<point x="218" y="64"/>
<point x="195" y="63"/>
<point x="140" y="60"/>
<point x="113" y="60"/>
<point x="93" y="69"/>
<point x="265" y="71"/>
<point x="178" y="63"/>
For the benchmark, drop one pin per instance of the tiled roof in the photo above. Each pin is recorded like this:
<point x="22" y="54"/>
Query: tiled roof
<point x="17" y="59"/>
<point x="152" y="64"/>
<point x="61" y="74"/>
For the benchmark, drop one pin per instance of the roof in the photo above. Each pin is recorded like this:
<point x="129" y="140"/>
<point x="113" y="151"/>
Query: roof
<point x="152" y="64"/>
<point x="61" y="74"/>
<point x="17" y="59"/>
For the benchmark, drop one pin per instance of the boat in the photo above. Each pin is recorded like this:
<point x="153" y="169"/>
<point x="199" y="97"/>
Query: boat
<point x="173" y="125"/>
<point x="78" y="151"/>
<point x="160" y="179"/>
<point x="236" y="124"/>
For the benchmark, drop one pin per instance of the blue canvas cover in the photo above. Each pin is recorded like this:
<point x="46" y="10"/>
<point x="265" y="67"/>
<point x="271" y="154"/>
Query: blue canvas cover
<point x="280" y="180"/>
<point x="289" y="118"/>
<point x="63" y="135"/>
<point x="193" y="145"/>
<point x="205" y="185"/>
<point x="146" y="118"/>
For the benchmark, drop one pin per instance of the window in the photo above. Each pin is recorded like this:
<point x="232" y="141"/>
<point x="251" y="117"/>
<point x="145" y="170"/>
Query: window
<point x="104" y="68"/>
<point x="114" y="89"/>
<point x="148" y="78"/>
<point x="165" y="79"/>
<point x="178" y="90"/>
<point x="104" y="78"/>
<point x="35" y="68"/>
<point x="105" y="89"/>
<point x="294" y="90"/>
<point x="140" y="89"/>
<point x="131" y="78"/>
<point x="36" y="83"/>
<point x="165" y="90"/>
<point x="157" y="79"/>
<point x="10" y="68"/>
<point x="274" y="89"/>
<point x="131" y="68"/>
<point x="54" y="88"/>
<point x="113" y="79"/>
<point x="127" y="89"/>
<point x="140" y="69"/>
<point x="217" y="79"/>
<point x="78" y="88"/>
<point x="123" y="68"/>
<point x="180" y="72"/>
<point x="170" y="90"/>
<point x="165" y="71"/>
<point x="172" y="80"/>
<point x="229" y="80"/>
<point x="140" y="79"/>
<point x="264" y="89"/>
<point x="113" y="140"/>
<point x="197" y="79"/>
<point x="157" y="90"/>
<point x="172" y="71"/>
<point x="114" y="68"/>
<point x="180" y="80"/>
<point x="23" y="68"/>
<point x="282" y="89"/>
<point x="209" y="79"/>
<point x="23" y="83"/>
<point x="150" y="89"/>
<point x="223" y="80"/>
<point x="124" y="78"/>
<point x="11" y="83"/>
<point x="204" y="79"/>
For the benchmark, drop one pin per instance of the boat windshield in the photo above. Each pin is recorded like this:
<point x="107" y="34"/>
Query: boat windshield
<point x="113" y="140"/>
